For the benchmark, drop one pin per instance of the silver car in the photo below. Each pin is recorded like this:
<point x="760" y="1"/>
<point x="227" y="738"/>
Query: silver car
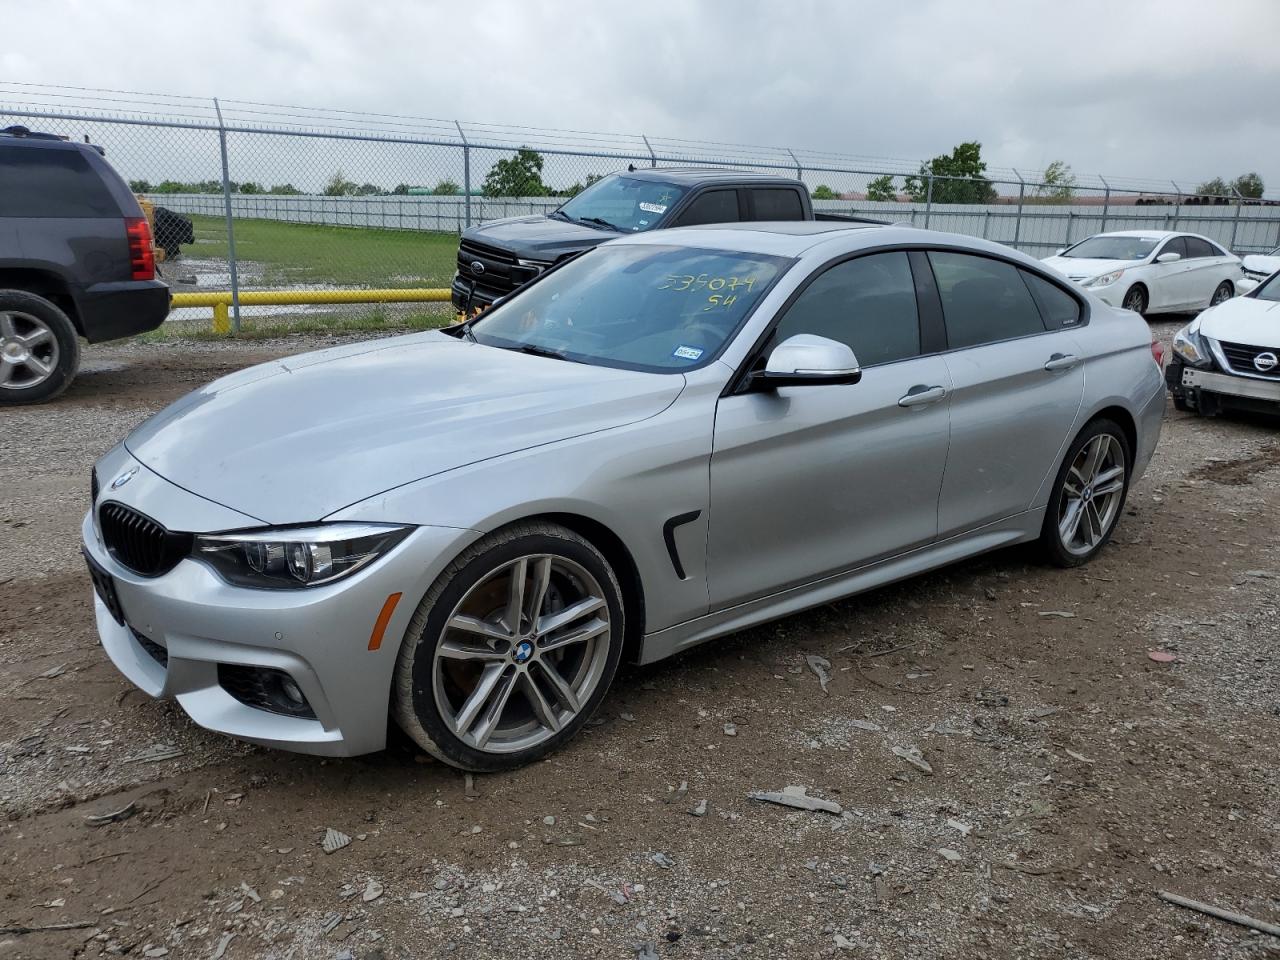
<point x="667" y="439"/>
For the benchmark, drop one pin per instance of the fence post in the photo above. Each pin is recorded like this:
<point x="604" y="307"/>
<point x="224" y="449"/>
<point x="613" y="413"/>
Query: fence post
<point x="1017" y="223"/>
<point x="653" y="157"/>
<point x="928" y="201"/>
<point x="799" y="169"/>
<point x="1235" y="223"/>
<point x="231" y="233"/>
<point x="466" y="171"/>
<point x="1106" y="203"/>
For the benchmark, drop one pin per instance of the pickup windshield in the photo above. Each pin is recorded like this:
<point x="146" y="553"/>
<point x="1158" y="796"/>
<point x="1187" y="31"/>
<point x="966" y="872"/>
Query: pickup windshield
<point x="644" y="307"/>
<point x="1113" y="248"/>
<point x="625" y="204"/>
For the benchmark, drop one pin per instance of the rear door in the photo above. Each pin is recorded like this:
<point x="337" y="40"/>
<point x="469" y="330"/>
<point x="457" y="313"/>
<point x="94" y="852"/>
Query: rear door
<point x="717" y="205"/>
<point x="809" y="481"/>
<point x="1204" y="272"/>
<point x="1017" y="380"/>
<point x="774" y="203"/>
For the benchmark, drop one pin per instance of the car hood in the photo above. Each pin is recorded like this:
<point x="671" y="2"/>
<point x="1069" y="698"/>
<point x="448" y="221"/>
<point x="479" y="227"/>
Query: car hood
<point x="1080" y="268"/>
<point x="1260" y="263"/>
<point x="295" y="440"/>
<point x="1244" y="320"/>
<point x="538" y="237"/>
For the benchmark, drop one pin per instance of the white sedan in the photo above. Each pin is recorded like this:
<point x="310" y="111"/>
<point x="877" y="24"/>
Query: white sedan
<point x="1152" y="271"/>
<point x="1257" y="267"/>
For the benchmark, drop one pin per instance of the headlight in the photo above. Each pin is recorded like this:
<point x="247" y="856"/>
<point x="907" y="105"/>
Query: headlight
<point x="536" y="265"/>
<point x="298" y="557"/>
<point x="1190" y="346"/>
<point x="1106" y="279"/>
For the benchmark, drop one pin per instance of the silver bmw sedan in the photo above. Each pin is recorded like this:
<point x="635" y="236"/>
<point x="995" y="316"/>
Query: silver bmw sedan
<point x="672" y="437"/>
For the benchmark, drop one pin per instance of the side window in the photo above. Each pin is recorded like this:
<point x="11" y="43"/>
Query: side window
<point x="983" y="300"/>
<point x="1199" y="248"/>
<point x="868" y="303"/>
<point x="1176" y="245"/>
<point x="44" y="182"/>
<point x="777" y="203"/>
<point x="714" y="206"/>
<point x="1059" y="308"/>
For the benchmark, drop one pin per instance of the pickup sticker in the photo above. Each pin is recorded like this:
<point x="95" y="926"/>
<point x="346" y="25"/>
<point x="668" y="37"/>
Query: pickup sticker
<point x="687" y="353"/>
<point x="658" y="208"/>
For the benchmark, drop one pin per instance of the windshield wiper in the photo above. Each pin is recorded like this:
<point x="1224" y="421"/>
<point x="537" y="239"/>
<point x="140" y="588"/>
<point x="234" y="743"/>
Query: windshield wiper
<point x="534" y="350"/>
<point x="600" y="222"/>
<point x="561" y="215"/>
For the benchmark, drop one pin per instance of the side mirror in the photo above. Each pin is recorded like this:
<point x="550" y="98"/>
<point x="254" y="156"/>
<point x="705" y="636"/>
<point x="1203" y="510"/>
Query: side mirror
<point x="807" y="360"/>
<point x="1169" y="257"/>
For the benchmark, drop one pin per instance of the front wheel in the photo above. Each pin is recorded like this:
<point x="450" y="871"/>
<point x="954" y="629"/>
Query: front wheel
<point x="1135" y="299"/>
<point x="1088" y="495"/>
<point x="511" y="650"/>
<point x="1224" y="293"/>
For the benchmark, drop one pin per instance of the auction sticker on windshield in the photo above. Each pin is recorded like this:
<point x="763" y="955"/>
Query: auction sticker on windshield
<point x="652" y="207"/>
<point x="687" y="353"/>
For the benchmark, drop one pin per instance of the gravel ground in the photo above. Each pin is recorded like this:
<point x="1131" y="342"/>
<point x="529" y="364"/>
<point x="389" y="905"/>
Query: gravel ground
<point x="1066" y="776"/>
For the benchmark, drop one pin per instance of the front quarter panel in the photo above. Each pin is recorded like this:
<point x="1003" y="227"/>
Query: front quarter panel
<point x="631" y="479"/>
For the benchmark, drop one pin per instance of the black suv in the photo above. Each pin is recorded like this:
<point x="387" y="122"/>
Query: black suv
<point x="75" y="261"/>
<point x="496" y="257"/>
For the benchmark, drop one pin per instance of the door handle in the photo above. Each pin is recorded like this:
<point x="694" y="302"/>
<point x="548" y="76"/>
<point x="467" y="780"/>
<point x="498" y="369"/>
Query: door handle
<point x="919" y="395"/>
<point x="1061" y="361"/>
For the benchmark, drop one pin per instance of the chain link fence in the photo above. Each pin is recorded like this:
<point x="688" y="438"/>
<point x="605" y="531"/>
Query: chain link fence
<point x="250" y="198"/>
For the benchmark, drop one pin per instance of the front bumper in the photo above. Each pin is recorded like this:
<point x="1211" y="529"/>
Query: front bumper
<point x="319" y="636"/>
<point x="1209" y="391"/>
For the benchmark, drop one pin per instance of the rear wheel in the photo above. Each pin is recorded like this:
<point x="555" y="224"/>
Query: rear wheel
<point x="1135" y="299"/>
<point x="1088" y="495"/>
<point x="511" y="650"/>
<point x="1224" y="293"/>
<point x="39" y="348"/>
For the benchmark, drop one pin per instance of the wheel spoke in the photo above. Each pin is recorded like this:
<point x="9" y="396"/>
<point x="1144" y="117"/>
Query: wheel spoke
<point x="588" y="631"/>
<point x="6" y="370"/>
<point x="559" y="686"/>
<point x="1109" y="481"/>
<point x="540" y="582"/>
<point x="479" y="697"/>
<point x="493" y="715"/>
<point x="1070" y="522"/>
<point x="1094" y="522"/>
<point x="542" y="707"/>
<point x="39" y="366"/>
<point x="1093" y="454"/>
<point x="491" y="632"/>
<point x="41" y="335"/>
<point x="1074" y="483"/>
<point x="562" y="618"/>
<point x="452" y="650"/>
<point x="8" y="329"/>
<point x="515" y="596"/>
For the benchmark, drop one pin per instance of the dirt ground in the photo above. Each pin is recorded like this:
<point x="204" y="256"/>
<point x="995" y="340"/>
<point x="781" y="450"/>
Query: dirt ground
<point x="1073" y="776"/>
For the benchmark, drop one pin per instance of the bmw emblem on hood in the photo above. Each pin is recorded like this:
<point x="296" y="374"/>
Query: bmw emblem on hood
<point x="124" y="478"/>
<point x="1265" y="361"/>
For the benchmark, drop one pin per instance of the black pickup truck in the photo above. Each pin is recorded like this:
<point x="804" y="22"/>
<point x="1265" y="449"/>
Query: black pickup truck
<point x="496" y="257"/>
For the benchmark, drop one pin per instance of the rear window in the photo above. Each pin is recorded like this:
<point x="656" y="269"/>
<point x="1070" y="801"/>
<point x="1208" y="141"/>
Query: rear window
<point x="1060" y="309"/>
<point x="44" y="182"/>
<point x="983" y="300"/>
<point x="714" y="206"/>
<point x="1200" y="248"/>
<point x="775" y="203"/>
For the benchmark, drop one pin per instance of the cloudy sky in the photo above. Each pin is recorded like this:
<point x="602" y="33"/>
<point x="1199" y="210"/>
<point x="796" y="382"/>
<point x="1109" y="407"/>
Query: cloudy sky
<point x="1170" y="89"/>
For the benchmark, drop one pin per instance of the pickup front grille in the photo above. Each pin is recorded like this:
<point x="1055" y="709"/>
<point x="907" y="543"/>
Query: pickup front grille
<point x="136" y="541"/>
<point x="1241" y="356"/>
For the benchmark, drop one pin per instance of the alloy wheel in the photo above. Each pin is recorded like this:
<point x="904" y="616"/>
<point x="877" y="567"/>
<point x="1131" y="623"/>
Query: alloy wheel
<point x="28" y="351"/>
<point x="522" y="653"/>
<point x="1135" y="301"/>
<point x="1221" y="295"/>
<point x="1091" y="494"/>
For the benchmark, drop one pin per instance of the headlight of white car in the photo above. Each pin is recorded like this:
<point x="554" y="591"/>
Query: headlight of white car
<point x="1106" y="279"/>
<point x="296" y="557"/>
<point x="1190" y="346"/>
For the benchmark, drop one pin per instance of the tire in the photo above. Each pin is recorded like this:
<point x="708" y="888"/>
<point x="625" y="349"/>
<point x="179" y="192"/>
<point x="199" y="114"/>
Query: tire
<point x="1224" y="293"/>
<point x="448" y="680"/>
<point x="1068" y="542"/>
<point x="39" y="348"/>
<point x="1135" y="299"/>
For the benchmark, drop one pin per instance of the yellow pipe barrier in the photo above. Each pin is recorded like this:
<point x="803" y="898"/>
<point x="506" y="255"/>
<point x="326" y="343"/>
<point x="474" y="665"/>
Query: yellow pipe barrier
<point x="221" y="301"/>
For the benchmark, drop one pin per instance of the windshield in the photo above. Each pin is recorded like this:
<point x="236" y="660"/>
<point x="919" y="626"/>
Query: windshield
<point x="623" y="203"/>
<point x="1270" y="289"/>
<point x="640" y="307"/>
<point x="1103" y="247"/>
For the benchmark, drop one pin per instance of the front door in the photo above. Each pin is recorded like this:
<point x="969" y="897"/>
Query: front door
<point x="809" y="481"/>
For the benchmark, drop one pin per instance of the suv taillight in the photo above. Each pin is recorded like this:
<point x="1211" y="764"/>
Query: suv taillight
<point x="142" y="258"/>
<point x="1157" y="352"/>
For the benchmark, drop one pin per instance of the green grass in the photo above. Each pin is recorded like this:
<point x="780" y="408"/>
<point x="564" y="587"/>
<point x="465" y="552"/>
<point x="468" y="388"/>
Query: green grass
<point x="367" y="320"/>
<point x="289" y="254"/>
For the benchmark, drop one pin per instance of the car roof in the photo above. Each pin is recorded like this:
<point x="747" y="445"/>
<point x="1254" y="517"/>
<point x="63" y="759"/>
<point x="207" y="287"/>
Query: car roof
<point x="1161" y="234"/>
<point x="820" y="238"/>
<point x="691" y="176"/>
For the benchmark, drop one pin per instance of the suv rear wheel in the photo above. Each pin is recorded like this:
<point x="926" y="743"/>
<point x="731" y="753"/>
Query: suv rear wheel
<point x="39" y="349"/>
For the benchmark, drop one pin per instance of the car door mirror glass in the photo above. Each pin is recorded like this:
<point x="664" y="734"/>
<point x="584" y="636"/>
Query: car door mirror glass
<point x="1170" y="257"/>
<point x="808" y="359"/>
